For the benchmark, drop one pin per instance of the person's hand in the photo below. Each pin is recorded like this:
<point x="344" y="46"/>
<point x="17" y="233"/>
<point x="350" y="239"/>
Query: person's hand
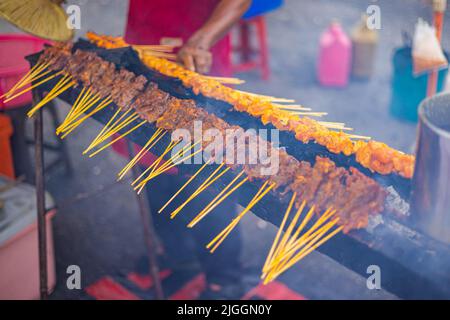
<point x="195" y="59"/>
<point x="195" y="55"/>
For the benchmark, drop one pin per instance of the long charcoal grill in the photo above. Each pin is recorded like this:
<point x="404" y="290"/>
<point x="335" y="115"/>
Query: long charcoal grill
<point x="413" y="266"/>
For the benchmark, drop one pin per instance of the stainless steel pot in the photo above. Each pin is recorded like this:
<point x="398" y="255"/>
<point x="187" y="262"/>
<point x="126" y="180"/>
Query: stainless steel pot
<point x="430" y="202"/>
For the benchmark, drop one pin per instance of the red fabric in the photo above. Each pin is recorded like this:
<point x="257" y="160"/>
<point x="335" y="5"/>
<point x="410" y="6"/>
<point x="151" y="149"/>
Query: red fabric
<point x="149" y="21"/>
<point x="108" y="289"/>
<point x="191" y="290"/>
<point x="273" y="291"/>
<point x="145" y="282"/>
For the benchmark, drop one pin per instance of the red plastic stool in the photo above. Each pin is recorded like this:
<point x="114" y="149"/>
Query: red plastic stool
<point x="249" y="60"/>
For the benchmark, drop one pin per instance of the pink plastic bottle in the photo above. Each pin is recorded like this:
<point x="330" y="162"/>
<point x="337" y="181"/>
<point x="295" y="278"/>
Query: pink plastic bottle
<point x="334" y="57"/>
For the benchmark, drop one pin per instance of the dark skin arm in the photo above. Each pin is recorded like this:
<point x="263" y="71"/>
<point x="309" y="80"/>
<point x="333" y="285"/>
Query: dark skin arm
<point x="195" y="54"/>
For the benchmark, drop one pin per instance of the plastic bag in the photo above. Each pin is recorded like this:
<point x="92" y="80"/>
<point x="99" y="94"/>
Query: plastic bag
<point x="426" y="52"/>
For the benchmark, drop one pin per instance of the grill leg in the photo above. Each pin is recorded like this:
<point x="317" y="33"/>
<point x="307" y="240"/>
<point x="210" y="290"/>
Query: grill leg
<point x="40" y="199"/>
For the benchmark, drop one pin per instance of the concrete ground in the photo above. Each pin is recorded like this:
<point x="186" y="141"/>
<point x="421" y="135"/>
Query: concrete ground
<point x="102" y="233"/>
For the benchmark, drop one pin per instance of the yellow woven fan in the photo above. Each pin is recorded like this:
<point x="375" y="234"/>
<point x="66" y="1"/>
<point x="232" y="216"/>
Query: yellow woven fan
<point x="42" y="18"/>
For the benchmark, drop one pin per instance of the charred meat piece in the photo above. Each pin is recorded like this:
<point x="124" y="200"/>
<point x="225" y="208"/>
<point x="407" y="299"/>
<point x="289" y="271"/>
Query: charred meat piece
<point x="151" y="103"/>
<point x="287" y="167"/>
<point x="125" y="87"/>
<point x="353" y="195"/>
<point x="57" y="56"/>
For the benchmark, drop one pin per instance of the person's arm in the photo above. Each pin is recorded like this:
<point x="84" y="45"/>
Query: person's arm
<point x="195" y="54"/>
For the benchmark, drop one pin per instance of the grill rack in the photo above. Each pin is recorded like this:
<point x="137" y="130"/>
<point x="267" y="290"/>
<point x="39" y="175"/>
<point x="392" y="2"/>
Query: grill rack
<point x="413" y="265"/>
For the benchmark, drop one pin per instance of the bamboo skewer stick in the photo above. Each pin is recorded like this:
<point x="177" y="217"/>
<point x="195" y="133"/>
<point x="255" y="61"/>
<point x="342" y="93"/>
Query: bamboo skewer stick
<point x="224" y="234"/>
<point x="185" y="185"/>
<point x="282" y="100"/>
<point x="285" y="239"/>
<point x="31" y="79"/>
<point x="105" y="127"/>
<point x="65" y="83"/>
<point x="119" y="127"/>
<point x="208" y="181"/>
<point x="215" y="243"/>
<point x="113" y="128"/>
<point x="29" y="74"/>
<point x="223" y="194"/>
<point x="334" y="125"/>
<point x="311" y="114"/>
<point x="156" y="47"/>
<point x="305" y="252"/>
<point x="11" y="97"/>
<point x="268" y="98"/>
<point x="277" y="237"/>
<point x="213" y="178"/>
<point x="157" y="169"/>
<point x="77" y="100"/>
<point x="114" y="123"/>
<point x="308" y="217"/>
<point x="88" y="103"/>
<point x="295" y="244"/>
<point x="226" y="80"/>
<point x="306" y="239"/>
<point x="157" y="54"/>
<point x="293" y="247"/>
<point x="85" y="95"/>
<point x="79" y="107"/>
<point x="280" y="247"/>
<point x="282" y="261"/>
<point x="72" y="126"/>
<point x="214" y="204"/>
<point x="355" y="136"/>
<point x="340" y="129"/>
<point x="170" y="164"/>
<point x="282" y="253"/>
<point x="337" y="124"/>
<point x="139" y="187"/>
<point x="36" y="76"/>
<point x="152" y="165"/>
<point x="36" y="69"/>
<point x="155" y="51"/>
<point x="293" y="107"/>
<point x="120" y="136"/>
<point x="160" y="159"/>
<point x="139" y="155"/>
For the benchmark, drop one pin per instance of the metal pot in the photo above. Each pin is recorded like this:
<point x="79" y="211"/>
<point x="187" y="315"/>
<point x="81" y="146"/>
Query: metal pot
<point x="430" y="202"/>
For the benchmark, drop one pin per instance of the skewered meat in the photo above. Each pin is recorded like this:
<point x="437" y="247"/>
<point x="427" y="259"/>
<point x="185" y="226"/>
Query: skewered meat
<point x="324" y="185"/>
<point x="382" y="159"/>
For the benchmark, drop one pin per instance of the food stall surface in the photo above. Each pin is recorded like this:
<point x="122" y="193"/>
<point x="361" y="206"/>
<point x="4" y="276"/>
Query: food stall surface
<point x="102" y="233"/>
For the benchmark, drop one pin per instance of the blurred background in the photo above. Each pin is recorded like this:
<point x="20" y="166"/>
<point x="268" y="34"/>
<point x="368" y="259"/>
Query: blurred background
<point x="101" y="233"/>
